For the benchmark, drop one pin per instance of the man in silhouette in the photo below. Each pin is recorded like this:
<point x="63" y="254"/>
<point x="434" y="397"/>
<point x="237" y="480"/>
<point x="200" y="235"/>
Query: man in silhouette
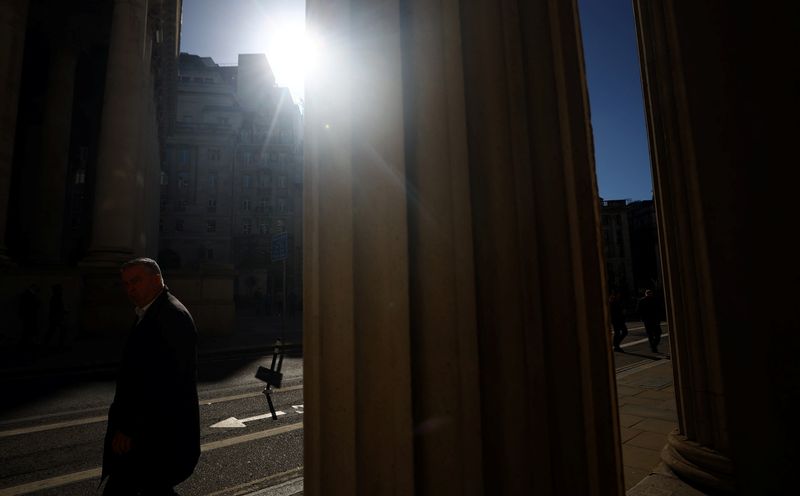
<point x="617" y="320"/>
<point x="153" y="437"/>
<point x="650" y="315"/>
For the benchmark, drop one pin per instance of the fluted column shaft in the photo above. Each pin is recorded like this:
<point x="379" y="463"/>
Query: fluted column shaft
<point x="716" y="94"/>
<point x="48" y="231"/>
<point x="118" y="177"/>
<point x="13" y="16"/>
<point x="454" y="332"/>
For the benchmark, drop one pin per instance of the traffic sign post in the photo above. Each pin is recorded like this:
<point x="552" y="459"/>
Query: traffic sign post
<point x="279" y="251"/>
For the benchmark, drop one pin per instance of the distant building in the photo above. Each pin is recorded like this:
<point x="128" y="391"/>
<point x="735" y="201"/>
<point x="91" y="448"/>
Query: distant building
<point x="232" y="177"/>
<point x="630" y="243"/>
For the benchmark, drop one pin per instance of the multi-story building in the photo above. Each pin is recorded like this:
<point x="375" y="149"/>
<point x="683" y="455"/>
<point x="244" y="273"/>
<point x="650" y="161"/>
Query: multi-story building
<point x="617" y="245"/>
<point x="630" y="242"/>
<point x="232" y="177"/>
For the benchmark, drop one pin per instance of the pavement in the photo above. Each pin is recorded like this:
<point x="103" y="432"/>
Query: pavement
<point x="646" y="395"/>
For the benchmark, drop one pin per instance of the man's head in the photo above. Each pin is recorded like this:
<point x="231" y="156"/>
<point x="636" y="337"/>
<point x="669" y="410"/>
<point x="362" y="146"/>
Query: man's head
<point x="142" y="280"/>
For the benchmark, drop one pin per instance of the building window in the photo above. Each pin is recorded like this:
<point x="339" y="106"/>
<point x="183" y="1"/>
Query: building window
<point x="179" y="225"/>
<point x="223" y="120"/>
<point x="282" y="181"/>
<point x="245" y="204"/>
<point x="281" y="206"/>
<point x="262" y="206"/>
<point x="80" y="176"/>
<point x="164" y="178"/>
<point x="183" y="180"/>
<point x="263" y="180"/>
<point x="210" y="253"/>
<point x="160" y="225"/>
<point x="246" y="226"/>
<point x="212" y="205"/>
<point x="263" y="228"/>
<point x="212" y="180"/>
<point x="211" y="225"/>
<point x="213" y="153"/>
<point x="183" y="156"/>
<point x="163" y="203"/>
<point x="246" y="181"/>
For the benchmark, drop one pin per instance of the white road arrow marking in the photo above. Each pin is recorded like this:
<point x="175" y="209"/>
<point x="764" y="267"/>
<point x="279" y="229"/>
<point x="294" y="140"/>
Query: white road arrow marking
<point x="298" y="408"/>
<point x="234" y="423"/>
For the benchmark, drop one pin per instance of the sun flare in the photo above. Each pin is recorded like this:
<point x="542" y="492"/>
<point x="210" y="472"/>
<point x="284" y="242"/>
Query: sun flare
<point x="292" y="52"/>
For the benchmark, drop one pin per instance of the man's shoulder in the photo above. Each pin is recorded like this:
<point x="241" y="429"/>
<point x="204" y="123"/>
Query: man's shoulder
<point x="172" y="311"/>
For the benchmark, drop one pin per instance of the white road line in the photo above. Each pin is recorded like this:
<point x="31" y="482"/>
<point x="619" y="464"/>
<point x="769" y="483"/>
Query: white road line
<point x="222" y="443"/>
<point x="48" y="427"/>
<point x="640" y="341"/>
<point x="103" y="418"/>
<point x="63" y="480"/>
<point x="51" y="415"/>
<point x="248" y="395"/>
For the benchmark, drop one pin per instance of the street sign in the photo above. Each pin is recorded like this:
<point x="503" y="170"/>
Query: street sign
<point x="280" y="248"/>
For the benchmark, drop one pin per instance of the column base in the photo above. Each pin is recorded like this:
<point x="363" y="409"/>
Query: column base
<point x="698" y="465"/>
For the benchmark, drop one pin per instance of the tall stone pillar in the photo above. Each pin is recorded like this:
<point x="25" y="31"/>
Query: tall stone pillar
<point x="716" y="95"/>
<point x="118" y="174"/>
<point x="453" y="297"/>
<point x="13" y="17"/>
<point x="57" y="124"/>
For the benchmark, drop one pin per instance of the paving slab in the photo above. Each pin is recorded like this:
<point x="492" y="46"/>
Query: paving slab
<point x="626" y="420"/>
<point x="656" y="426"/>
<point x="648" y="440"/>
<point x="645" y="459"/>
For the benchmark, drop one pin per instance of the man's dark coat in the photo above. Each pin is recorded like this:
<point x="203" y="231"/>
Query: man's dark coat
<point x="156" y="398"/>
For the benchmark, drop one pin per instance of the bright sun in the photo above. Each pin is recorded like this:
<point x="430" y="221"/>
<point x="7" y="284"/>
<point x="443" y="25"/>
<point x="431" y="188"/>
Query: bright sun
<point x="292" y="53"/>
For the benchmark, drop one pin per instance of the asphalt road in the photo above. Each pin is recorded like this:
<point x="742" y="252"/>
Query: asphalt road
<point x="52" y="429"/>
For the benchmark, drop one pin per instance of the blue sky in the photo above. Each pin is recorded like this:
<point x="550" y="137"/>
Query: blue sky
<point x="615" y="98"/>
<point x="224" y="28"/>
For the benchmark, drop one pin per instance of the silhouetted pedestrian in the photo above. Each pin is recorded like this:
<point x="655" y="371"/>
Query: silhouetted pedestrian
<point x="650" y="315"/>
<point x="153" y="437"/>
<point x="617" y="320"/>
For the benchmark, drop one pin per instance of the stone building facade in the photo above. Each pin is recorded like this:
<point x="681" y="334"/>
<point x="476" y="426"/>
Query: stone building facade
<point x="232" y="177"/>
<point x="87" y="89"/>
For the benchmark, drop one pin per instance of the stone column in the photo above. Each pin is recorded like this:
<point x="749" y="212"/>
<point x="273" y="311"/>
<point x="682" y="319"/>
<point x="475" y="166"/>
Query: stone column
<point x="13" y="17"/>
<point x="57" y="124"/>
<point x="118" y="169"/>
<point x="716" y="95"/>
<point x="454" y="311"/>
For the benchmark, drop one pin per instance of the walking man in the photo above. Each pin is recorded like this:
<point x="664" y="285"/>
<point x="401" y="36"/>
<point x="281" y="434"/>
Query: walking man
<point x="617" y="320"/>
<point x="650" y="314"/>
<point x="153" y="437"/>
